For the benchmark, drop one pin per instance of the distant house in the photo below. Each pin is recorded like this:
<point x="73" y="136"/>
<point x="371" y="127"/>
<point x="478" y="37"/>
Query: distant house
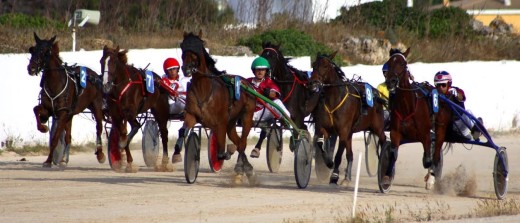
<point x="488" y="10"/>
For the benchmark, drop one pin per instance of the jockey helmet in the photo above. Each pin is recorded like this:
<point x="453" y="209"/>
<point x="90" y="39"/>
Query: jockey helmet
<point x="385" y="67"/>
<point x="442" y="77"/>
<point x="260" y="63"/>
<point x="170" y="63"/>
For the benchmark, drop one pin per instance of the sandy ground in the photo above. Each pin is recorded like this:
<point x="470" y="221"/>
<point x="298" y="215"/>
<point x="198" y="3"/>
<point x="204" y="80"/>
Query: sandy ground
<point x="90" y="192"/>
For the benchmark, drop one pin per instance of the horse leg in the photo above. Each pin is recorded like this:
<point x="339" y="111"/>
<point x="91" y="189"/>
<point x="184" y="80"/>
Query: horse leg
<point x="130" y="168"/>
<point x="68" y="138"/>
<point x="98" y="116"/>
<point x="42" y="115"/>
<point x="427" y="156"/>
<point x="60" y="127"/>
<point x="165" y="164"/>
<point x="334" y="177"/>
<point x="350" y="158"/>
<point x="239" y="169"/>
<point x="395" y="138"/>
<point x="176" y="157"/>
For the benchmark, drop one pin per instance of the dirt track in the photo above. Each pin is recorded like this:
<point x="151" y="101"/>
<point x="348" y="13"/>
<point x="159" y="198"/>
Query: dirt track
<point x="90" y="192"/>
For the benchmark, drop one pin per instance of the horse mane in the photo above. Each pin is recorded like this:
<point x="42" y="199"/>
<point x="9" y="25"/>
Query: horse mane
<point x="285" y="60"/>
<point x="339" y="72"/>
<point x="121" y="55"/>
<point x="193" y="43"/>
<point x="55" y="50"/>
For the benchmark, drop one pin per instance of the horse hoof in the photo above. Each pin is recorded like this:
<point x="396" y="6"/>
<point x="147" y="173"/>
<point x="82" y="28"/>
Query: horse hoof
<point x="116" y="166"/>
<point x="62" y="165"/>
<point x="176" y="158"/>
<point x="47" y="165"/>
<point x="430" y="182"/>
<point x="334" y="179"/>
<point x="101" y="157"/>
<point x="237" y="180"/>
<point x="131" y="169"/>
<point x="43" y="129"/>
<point x="345" y="183"/>
<point x="386" y="181"/>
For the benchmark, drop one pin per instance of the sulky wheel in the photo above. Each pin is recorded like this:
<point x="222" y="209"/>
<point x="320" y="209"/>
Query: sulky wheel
<point x="384" y="162"/>
<point x="150" y="144"/>
<point x="302" y="161"/>
<point x="61" y="149"/>
<point x="192" y="158"/>
<point x="274" y="149"/>
<point x="500" y="173"/>
<point x="372" y="150"/>
<point x="214" y="163"/>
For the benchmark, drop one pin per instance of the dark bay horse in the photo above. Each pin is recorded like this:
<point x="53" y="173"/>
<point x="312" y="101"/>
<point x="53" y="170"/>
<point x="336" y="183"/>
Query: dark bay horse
<point x="411" y="117"/>
<point x="342" y="111"/>
<point x="62" y="95"/>
<point x="296" y="97"/>
<point x="209" y="102"/>
<point x="126" y="97"/>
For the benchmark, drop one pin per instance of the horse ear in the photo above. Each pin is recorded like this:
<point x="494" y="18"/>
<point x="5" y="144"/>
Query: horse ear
<point x="117" y="48"/>
<point x="200" y="33"/>
<point x="333" y="55"/>
<point x="406" y="52"/>
<point x="55" y="49"/>
<point x="36" y="38"/>
<point x="52" y="39"/>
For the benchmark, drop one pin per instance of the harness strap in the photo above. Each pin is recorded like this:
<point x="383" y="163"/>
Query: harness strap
<point x="296" y="81"/>
<point x="339" y="105"/>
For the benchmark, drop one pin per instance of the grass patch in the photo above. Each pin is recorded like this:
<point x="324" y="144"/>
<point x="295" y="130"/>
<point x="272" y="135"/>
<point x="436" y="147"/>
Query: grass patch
<point x="491" y="207"/>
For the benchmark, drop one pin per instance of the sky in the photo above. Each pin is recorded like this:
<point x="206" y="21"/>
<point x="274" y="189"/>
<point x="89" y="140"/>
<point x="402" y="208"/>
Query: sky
<point x="490" y="87"/>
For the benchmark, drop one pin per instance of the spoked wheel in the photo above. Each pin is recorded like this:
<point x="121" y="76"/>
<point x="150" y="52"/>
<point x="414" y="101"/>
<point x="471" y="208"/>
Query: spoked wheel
<point x="302" y="162"/>
<point x="500" y="173"/>
<point x="214" y="163"/>
<point x="114" y="154"/>
<point x="61" y="149"/>
<point x="150" y="143"/>
<point x="372" y="150"/>
<point x="192" y="158"/>
<point x="384" y="162"/>
<point x="322" y="171"/>
<point x="274" y="149"/>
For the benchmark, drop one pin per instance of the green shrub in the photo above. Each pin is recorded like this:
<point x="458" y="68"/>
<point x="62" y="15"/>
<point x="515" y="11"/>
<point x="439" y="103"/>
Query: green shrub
<point x="386" y="15"/>
<point x="18" y="20"/>
<point x="292" y="42"/>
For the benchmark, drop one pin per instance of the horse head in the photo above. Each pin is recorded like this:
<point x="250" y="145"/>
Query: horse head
<point x="397" y="75"/>
<point x="41" y="54"/>
<point x="277" y="61"/>
<point x="195" y="58"/>
<point x="112" y="57"/>
<point x="324" y="71"/>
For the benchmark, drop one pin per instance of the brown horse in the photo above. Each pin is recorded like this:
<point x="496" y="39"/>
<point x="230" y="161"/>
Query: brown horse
<point x="209" y="102"/>
<point x="342" y="111"/>
<point x="296" y="97"/>
<point x="126" y="98"/>
<point x="62" y="97"/>
<point x="411" y="118"/>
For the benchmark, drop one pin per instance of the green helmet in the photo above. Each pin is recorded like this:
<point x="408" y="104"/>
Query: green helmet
<point x="260" y="63"/>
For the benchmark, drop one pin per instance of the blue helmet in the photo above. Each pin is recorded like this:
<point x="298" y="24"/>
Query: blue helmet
<point x="385" y="67"/>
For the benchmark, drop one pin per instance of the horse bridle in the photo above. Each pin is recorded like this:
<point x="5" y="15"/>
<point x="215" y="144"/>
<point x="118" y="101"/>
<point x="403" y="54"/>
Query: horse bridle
<point x="396" y="78"/>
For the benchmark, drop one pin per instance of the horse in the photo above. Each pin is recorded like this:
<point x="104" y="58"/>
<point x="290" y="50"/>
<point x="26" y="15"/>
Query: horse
<point x="208" y="99"/>
<point x="62" y="97"/>
<point x="411" y="117"/>
<point x="126" y="97"/>
<point x="342" y="111"/>
<point x="296" y="97"/>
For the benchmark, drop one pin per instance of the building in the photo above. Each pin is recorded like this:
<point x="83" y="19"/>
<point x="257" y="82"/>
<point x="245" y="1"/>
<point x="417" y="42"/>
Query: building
<point x="488" y="10"/>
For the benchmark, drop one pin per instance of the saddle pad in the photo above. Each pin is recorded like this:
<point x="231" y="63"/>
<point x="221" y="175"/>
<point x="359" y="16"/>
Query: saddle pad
<point x="435" y="100"/>
<point x="369" y="95"/>
<point x="83" y="77"/>
<point x="149" y="82"/>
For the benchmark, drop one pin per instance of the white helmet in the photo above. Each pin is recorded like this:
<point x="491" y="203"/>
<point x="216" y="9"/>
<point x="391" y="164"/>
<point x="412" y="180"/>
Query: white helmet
<point x="442" y="77"/>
